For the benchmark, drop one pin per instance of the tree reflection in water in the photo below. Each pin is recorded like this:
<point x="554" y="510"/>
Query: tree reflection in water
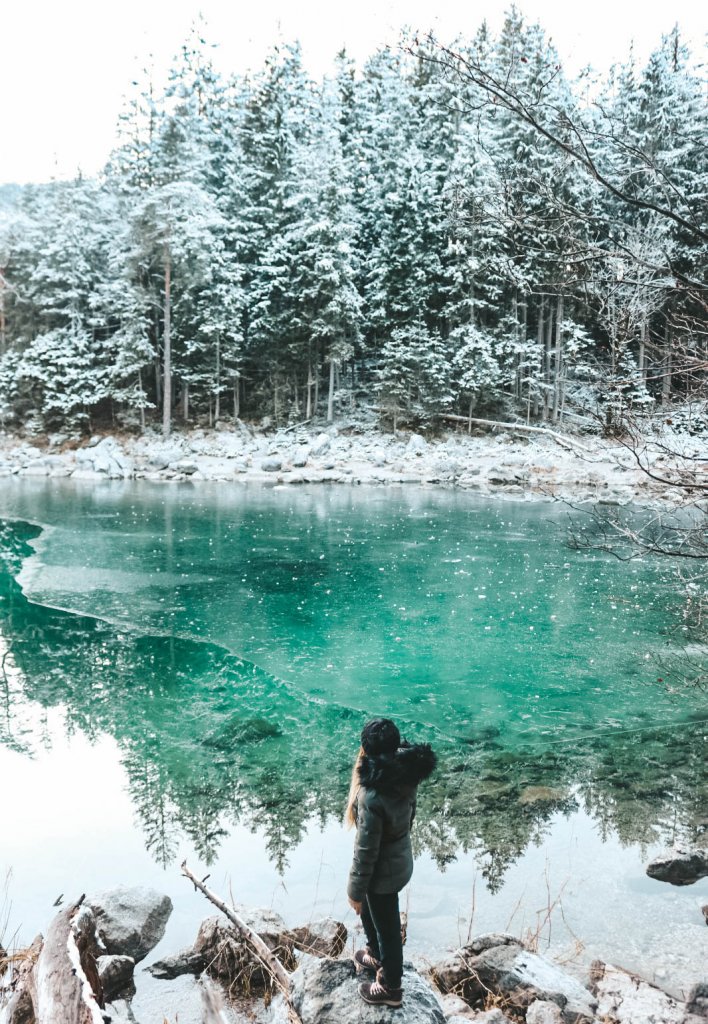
<point x="209" y="740"/>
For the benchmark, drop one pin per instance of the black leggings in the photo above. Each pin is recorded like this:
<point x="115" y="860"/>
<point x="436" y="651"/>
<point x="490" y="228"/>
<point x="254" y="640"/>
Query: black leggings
<point x="382" y="925"/>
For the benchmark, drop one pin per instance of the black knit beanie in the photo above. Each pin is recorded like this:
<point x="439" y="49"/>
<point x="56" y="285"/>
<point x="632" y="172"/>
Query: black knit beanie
<point x="380" y="736"/>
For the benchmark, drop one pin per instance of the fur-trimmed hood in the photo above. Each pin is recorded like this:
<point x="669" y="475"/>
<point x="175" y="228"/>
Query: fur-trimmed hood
<point x="394" y="773"/>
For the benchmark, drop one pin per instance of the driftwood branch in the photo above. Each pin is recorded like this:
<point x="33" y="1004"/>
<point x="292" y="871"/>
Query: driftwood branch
<point x="566" y="442"/>
<point x="57" y="980"/>
<point x="259" y="947"/>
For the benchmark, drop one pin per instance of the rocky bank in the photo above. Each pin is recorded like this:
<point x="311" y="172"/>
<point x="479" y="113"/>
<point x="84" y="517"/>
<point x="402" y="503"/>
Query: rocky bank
<point x="493" y="979"/>
<point x="499" y="461"/>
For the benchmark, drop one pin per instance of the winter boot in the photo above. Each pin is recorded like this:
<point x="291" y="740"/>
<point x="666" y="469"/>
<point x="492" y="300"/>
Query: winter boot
<point x="378" y="993"/>
<point x="364" y="960"/>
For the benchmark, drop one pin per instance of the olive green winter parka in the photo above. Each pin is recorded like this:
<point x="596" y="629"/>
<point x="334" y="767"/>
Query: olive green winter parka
<point x="385" y="808"/>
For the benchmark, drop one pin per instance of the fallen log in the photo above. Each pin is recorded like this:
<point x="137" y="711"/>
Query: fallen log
<point x="63" y="975"/>
<point x="56" y="980"/>
<point x="260" y="948"/>
<point x="561" y="439"/>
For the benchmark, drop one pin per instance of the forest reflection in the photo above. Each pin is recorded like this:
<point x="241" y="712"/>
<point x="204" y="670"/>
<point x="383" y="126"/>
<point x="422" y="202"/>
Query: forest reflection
<point x="209" y="740"/>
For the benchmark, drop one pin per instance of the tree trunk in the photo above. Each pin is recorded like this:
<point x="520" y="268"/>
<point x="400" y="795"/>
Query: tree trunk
<point x="3" y="339"/>
<point x="167" y="353"/>
<point x="158" y="383"/>
<point x="142" y="402"/>
<point x="547" y="364"/>
<point x="666" y="370"/>
<point x="642" y="350"/>
<point x="185" y="401"/>
<point x="557" y="381"/>
<point x="217" y="402"/>
<point x="237" y="397"/>
<point x="330" y="397"/>
<point x="539" y="341"/>
<point x="317" y="386"/>
<point x="308" y="388"/>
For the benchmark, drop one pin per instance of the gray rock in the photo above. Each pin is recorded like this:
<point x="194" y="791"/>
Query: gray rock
<point x="130" y="921"/>
<point x="543" y="1012"/>
<point x="228" y="957"/>
<point x="300" y="457"/>
<point x="625" y="998"/>
<point x="271" y="464"/>
<point x="321" y="445"/>
<point x="499" y="965"/>
<point x="116" y="974"/>
<point x="704" y="911"/>
<point x="325" y="992"/>
<point x="184" y="962"/>
<point x="416" y="444"/>
<point x="679" y="866"/>
<point x="451" y="973"/>
<point x="453" y="1006"/>
<point x="325" y="937"/>
<point x="186" y="466"/>
<point x="457" y="1011"/>
<point x="697" y="1002"/>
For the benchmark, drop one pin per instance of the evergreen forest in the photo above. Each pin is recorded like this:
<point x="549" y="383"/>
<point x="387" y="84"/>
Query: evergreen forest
<point x="447" y="231"/>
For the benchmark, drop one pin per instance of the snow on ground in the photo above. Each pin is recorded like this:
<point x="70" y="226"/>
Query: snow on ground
<point x="520" y="464"/>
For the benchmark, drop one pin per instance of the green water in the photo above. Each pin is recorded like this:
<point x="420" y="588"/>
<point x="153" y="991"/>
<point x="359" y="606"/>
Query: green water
<point x="228" y="643"/>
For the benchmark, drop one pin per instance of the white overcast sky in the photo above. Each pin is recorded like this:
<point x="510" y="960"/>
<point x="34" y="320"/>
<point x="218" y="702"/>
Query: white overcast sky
<point x="65" y="64"/>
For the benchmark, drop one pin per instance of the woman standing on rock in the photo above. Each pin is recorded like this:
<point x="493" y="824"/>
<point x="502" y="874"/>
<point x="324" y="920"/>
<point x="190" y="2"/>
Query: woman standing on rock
<point x="381" y="804"/>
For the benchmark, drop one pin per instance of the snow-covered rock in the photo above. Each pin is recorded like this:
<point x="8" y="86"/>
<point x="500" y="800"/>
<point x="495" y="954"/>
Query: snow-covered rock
<point x="543" y="1012"/>
<point x="625" y="998"/>
<point x="499" y="964"/>
<point x="299" y="457"/>
<point x="321" y="445"/>
<point x="417" y="445"/>
<point x="679" y="865"/>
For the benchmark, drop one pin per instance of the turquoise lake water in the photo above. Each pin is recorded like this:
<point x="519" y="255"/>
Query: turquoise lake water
<point x="185" y="672"/>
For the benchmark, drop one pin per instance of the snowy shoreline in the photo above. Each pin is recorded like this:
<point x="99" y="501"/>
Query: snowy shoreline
<point x="582" y="469"/>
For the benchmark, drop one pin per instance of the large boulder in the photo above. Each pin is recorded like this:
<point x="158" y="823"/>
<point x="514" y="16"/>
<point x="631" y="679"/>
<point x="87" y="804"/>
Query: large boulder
<point x="325" y="992"/>
<point x="625" y="998"/>
<point x="499" y="964"/>
<point x="226" y="955"/>
<point x="679" y="866"/>
<point x="130" y="921"/>
<point x="321" y="445"/>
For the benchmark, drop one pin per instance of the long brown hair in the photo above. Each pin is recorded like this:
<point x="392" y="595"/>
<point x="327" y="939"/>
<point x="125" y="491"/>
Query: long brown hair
<point x="349" y="814"/>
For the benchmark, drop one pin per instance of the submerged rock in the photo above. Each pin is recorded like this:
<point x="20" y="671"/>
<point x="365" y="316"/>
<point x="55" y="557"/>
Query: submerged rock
<point x="679" y="866"/>
<point x="130" y="921"/>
